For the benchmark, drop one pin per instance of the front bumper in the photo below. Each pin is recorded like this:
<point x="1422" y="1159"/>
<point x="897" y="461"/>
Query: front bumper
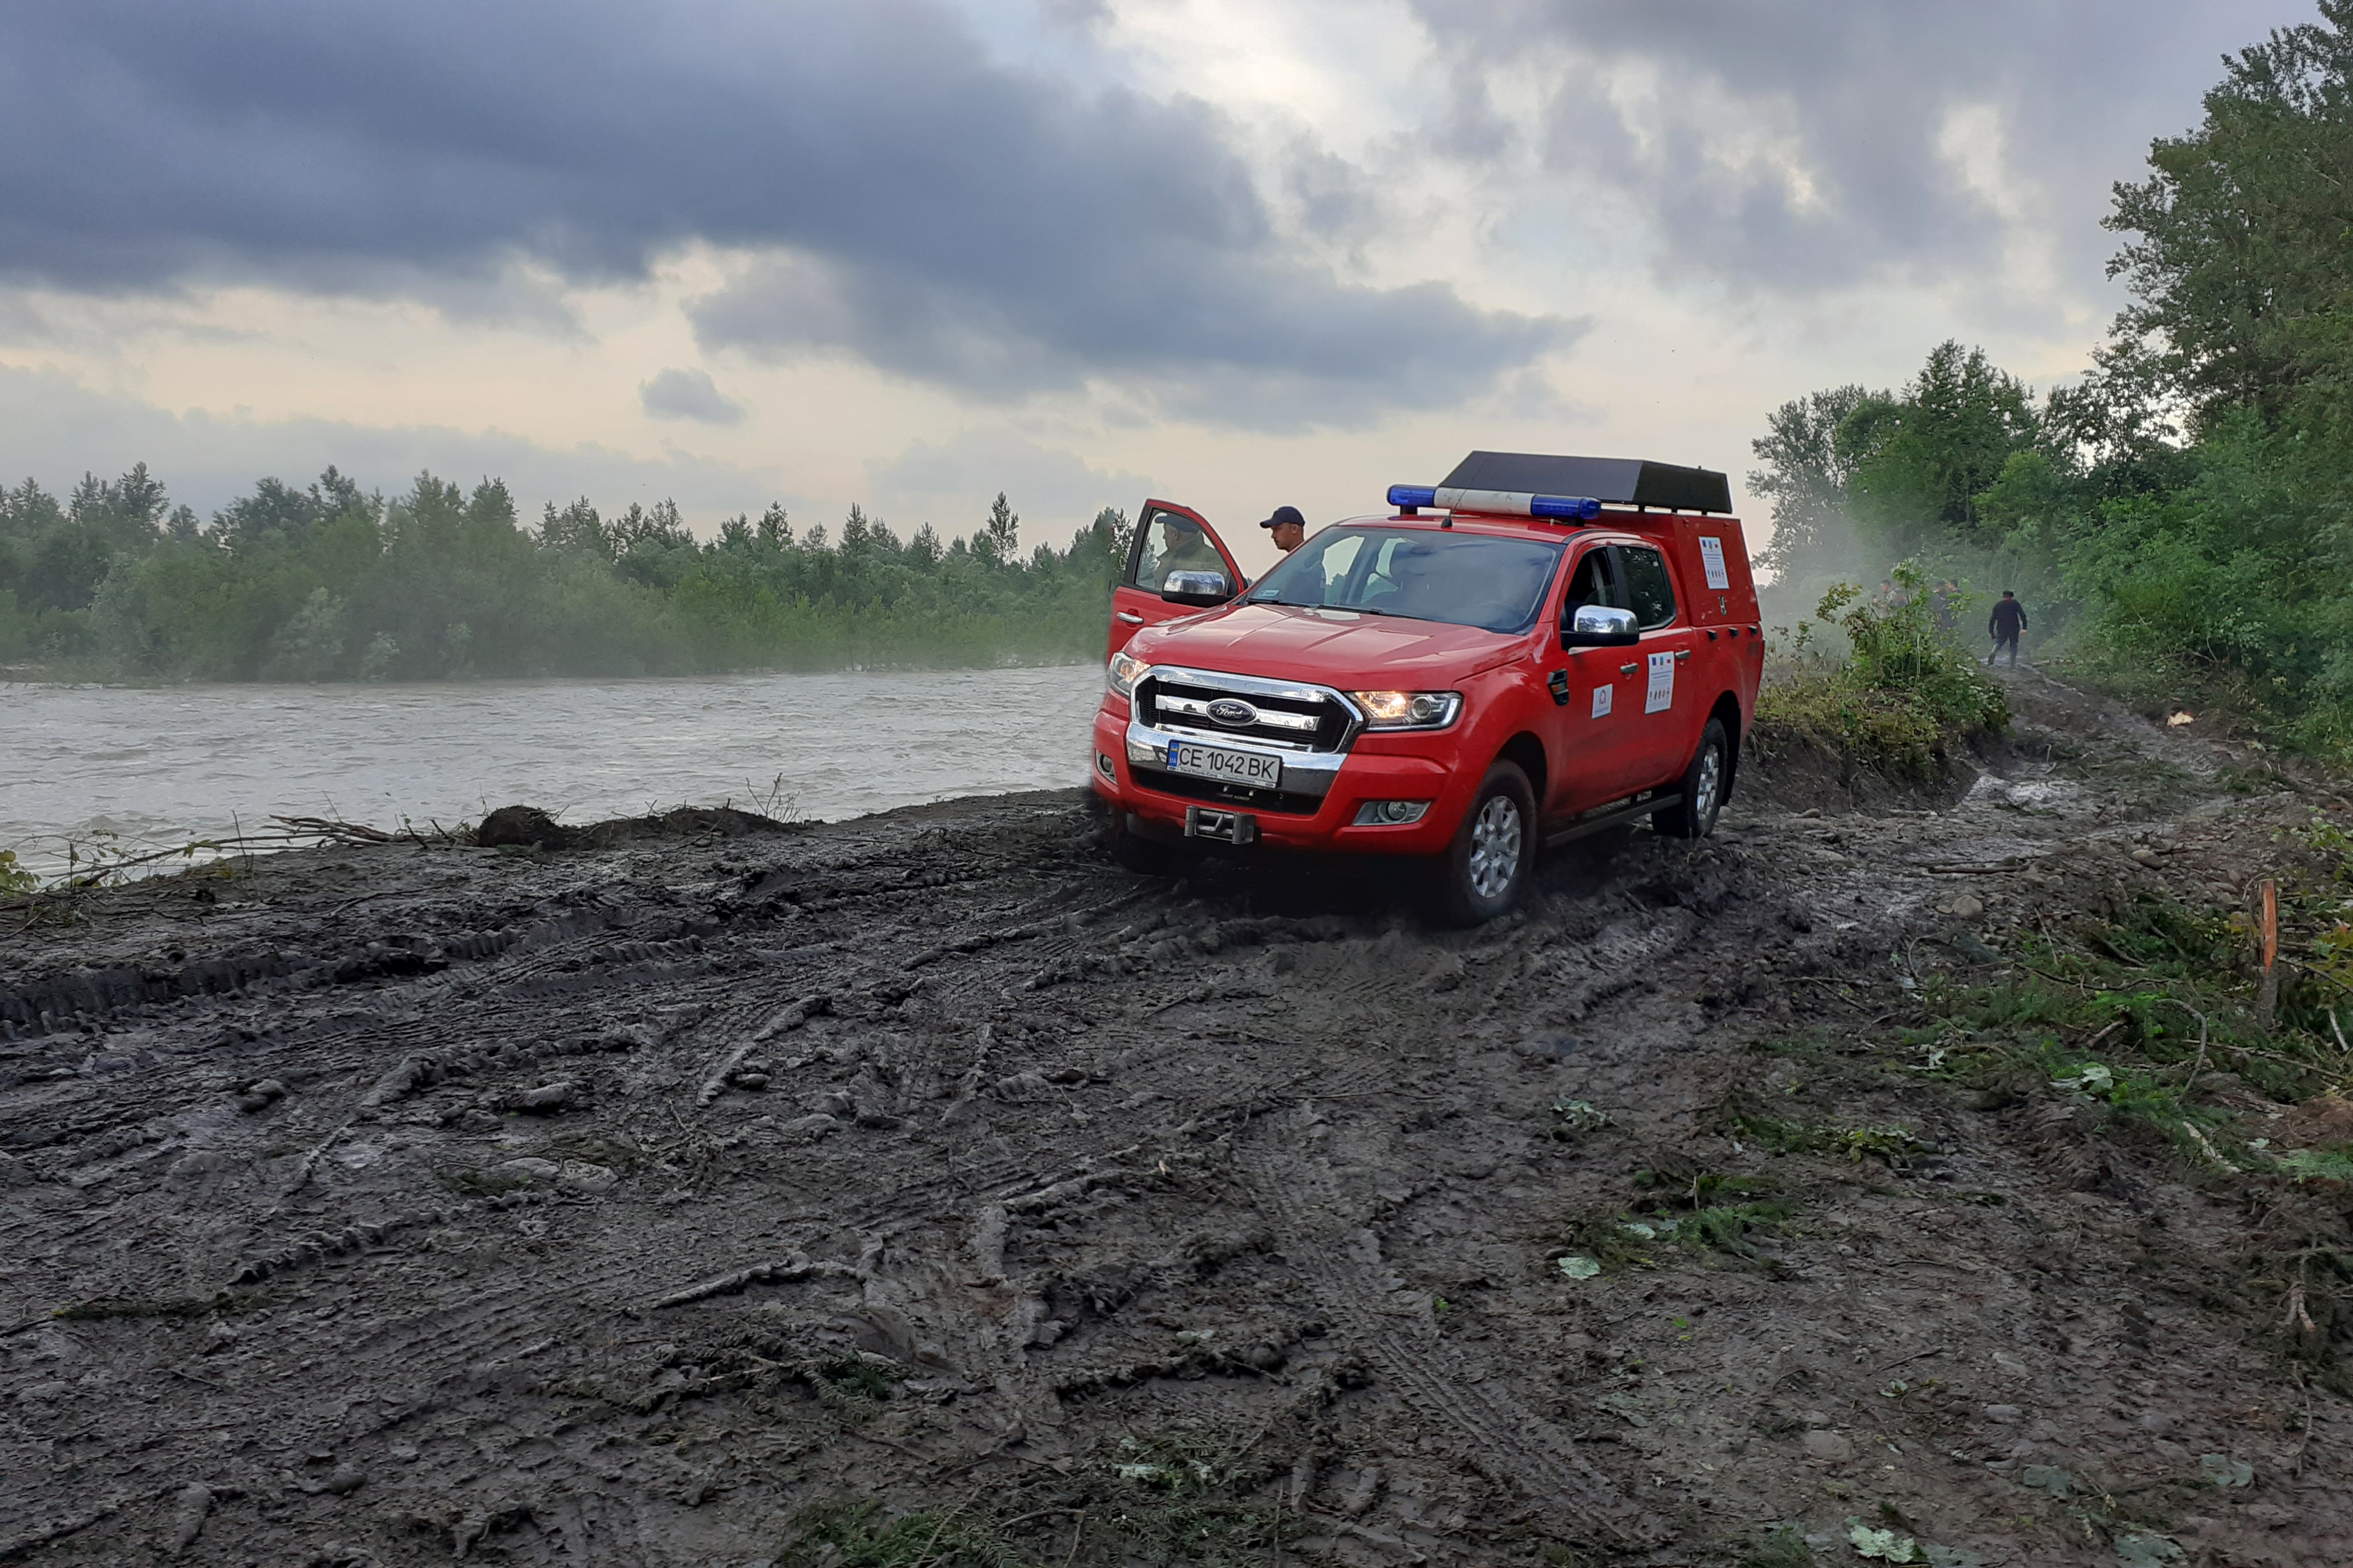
<point x="1316" y="808"/>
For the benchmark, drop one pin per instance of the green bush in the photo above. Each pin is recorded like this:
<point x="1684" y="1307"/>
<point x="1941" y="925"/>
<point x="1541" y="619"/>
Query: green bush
<point x="1903" y="694"/>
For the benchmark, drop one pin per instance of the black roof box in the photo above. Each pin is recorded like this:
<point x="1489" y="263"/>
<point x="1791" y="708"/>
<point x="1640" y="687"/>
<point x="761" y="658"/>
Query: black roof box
<point x="1617" y="481"/>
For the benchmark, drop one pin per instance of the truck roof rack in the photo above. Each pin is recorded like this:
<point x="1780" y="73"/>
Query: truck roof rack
<point x="1616" y="481"/>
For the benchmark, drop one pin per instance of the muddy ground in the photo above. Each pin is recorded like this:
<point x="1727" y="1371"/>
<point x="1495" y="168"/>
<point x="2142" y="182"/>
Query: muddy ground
<point x="926" y="1189"/>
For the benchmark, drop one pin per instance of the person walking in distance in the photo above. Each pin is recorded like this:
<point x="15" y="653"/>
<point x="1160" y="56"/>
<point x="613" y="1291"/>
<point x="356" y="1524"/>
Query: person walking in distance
<point x="2009" y="620"/>
<point x="1287" y="527"/>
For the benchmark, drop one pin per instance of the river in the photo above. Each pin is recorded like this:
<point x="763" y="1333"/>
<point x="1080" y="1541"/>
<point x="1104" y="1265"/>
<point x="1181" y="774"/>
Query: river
<point x="161" y="766"/>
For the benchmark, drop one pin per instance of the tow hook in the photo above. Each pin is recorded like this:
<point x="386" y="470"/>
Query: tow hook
<point x="1227" y="826"/>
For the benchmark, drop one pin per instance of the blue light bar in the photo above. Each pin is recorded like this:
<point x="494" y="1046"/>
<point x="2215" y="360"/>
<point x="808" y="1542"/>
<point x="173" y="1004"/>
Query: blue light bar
<point x="1511" y="503"/>
<point x="1566" y="508"/>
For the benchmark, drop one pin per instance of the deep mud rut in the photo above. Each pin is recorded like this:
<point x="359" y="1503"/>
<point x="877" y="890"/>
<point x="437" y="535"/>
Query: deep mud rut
<point x="655" y="1204"/>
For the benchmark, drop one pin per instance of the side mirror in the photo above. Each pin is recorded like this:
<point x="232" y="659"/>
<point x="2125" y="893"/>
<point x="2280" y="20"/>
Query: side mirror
<point x="1196" y="588"/>
<point x="1599" y="626"/>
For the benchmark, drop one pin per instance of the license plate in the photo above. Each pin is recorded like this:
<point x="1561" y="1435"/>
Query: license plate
<point x="1226" y="767"/>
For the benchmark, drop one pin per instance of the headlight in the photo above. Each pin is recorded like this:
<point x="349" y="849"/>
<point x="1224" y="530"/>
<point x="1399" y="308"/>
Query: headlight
<point x="1124" y="671"/>
<point x="1408" y="710"/>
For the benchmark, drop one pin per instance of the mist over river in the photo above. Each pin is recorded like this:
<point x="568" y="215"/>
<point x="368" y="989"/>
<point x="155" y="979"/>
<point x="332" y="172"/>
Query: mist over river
<point x="161" y="766"/>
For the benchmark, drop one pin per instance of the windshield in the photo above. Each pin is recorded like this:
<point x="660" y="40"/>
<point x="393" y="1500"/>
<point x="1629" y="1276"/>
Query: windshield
<point x="1465" y="579"/>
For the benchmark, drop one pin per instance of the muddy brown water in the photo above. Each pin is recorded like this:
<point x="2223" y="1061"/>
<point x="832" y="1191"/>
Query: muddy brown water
<point x="663" y="1204"/>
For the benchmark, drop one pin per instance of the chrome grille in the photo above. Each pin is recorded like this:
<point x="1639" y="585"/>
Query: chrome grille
<point x="1291" y="717"/>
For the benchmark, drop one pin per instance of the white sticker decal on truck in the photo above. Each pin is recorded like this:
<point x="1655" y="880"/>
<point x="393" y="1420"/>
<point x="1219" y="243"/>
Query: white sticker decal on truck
<point x="1601" y="696"/>
<point x="1711" y="556"/>
<point x="1662" y="692"/>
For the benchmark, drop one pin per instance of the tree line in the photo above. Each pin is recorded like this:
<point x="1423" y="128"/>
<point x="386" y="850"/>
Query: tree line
<point x="2181" y="517"/>
<point x="329" y="583"/>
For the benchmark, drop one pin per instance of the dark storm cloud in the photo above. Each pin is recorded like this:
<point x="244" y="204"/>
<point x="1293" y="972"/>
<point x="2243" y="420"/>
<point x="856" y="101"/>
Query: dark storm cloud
<point x="945" y="216"/>
<point x="1858" y="91"/>
<point x="689" y="394"/>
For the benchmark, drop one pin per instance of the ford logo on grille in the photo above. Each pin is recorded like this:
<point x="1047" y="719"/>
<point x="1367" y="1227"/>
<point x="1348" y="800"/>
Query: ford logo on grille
<point x="1233" y="712"/>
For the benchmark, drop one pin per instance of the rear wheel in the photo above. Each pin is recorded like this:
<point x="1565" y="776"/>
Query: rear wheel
<point x="1693" y="817"/>
<point x="1485" y="871"/>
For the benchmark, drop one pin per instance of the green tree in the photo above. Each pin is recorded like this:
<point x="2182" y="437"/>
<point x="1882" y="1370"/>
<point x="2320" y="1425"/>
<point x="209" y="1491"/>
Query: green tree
<point x="1000" y="536"/>
<point x="2237" y="241"/>
<point x="1804" y="477"/>
<point x="1923" y="461"/>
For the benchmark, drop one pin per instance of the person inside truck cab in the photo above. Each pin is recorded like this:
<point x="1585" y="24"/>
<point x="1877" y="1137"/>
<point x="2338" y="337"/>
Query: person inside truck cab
<point x="1591" y="584"/>
<point x="1172" y="544"/>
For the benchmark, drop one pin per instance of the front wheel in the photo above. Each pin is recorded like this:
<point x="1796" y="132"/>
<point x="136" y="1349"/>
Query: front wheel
<point x="1485" y="871"/>
<point x="1693" y="817"/>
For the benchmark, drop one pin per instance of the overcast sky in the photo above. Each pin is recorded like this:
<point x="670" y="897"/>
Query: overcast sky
<point x="908" y="253"/>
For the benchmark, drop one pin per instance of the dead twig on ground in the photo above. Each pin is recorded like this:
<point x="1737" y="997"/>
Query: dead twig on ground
<point x="1907" y="1360"/>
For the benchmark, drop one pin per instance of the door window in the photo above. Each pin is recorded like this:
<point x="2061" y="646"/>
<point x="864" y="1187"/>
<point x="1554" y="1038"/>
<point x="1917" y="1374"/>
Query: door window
<point x="1170" y="543"/>
<point x="1592" y="584"/>
<point x="1649" y="592"/>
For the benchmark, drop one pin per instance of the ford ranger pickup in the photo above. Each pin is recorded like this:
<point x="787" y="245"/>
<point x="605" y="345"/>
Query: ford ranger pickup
<point x="1537" y="647"/>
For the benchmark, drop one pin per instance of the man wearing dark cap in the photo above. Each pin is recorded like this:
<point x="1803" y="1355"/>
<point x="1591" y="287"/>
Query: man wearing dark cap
<point x="1288" y="527"/>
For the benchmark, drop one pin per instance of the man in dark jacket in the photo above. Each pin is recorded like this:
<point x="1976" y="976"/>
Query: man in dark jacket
<point x="2009" y="620"/>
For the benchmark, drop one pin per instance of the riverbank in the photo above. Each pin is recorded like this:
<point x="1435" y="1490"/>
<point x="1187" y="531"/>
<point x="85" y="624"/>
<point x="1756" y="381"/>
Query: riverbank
<point x="923" y="1187"/>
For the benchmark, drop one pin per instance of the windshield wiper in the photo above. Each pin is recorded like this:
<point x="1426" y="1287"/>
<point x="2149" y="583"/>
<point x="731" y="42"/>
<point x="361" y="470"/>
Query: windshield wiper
<point x="1344" y="609"/>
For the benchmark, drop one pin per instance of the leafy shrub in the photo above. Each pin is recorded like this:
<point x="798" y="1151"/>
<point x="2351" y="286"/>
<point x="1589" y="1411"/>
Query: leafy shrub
<point x="1904" y="691"/>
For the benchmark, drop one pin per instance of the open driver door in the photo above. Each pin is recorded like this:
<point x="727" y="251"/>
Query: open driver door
<point x="1169" y="539"/>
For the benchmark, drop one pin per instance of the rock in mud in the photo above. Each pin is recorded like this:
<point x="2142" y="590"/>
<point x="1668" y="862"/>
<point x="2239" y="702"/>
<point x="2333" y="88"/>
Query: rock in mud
<point x="261" y="1096"/>
<point x="1829" y="1446"/>
<point x="1021" y="1088"/>
<point x="588" y="1180"/>
<point x="809" y="1127"/>
<point x="188" y="1511"/>
<point x="196" y="1165"/>
<point x="548" y="1099"/>
<point x="524" y="826"/>
<point x="988" y="1232"/>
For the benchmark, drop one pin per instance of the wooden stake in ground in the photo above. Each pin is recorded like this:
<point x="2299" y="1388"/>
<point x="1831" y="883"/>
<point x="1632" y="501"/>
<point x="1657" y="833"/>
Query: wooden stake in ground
<point x="2267" y="999"/>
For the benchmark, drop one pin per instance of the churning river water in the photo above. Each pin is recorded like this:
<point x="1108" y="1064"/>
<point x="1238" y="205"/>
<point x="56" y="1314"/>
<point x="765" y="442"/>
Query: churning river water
<point x="161" y="766"/>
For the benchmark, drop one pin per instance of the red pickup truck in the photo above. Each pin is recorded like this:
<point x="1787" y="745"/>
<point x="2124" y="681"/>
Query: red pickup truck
<point x="1539" y="647"/>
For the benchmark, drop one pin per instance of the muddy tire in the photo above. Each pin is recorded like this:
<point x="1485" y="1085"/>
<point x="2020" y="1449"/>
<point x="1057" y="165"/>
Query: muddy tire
<point x="1486" y="871"/>
<point x="1695" y="816"/>
<point x="1148" y="856"/>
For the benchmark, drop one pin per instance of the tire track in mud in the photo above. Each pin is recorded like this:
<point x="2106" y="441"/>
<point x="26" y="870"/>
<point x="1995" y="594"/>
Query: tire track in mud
<point x="1297" y="1192"/>
<point x="1579" y="976"/>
